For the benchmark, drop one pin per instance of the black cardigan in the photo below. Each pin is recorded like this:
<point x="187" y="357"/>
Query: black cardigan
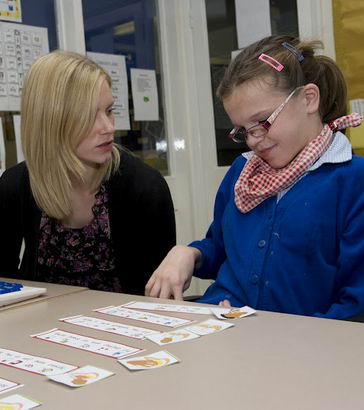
<point x="141" y="220"/>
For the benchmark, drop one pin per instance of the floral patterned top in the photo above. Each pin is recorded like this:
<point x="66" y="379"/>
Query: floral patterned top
<point x="79" y="257"/>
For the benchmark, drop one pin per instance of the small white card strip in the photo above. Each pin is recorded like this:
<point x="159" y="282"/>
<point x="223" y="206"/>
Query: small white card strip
<point x="17" y="402"/>
<point x="152" y="361"/>
<point x="110" y="327"/>
<point x="168" y="321"/>
<point x="165" y="307"/>
<point x="90" y="344"/>
<point x="208" y="327"/>
<point x="82" y="376"/>
<point x="172" y="337"/>
<point x="8" y="385"/>
<point x="33" y="364"/>
<point x="232" y="313"/>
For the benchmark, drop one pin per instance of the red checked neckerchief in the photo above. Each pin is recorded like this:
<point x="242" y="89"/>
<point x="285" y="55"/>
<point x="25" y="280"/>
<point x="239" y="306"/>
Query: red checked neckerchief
<point x="258" y="181"/>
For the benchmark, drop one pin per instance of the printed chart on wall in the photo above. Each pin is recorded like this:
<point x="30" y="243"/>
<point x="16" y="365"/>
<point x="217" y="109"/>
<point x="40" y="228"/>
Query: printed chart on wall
<point x="10" y="10"/>
<point x="115" y="66"/>
<point x="20" y="45"/>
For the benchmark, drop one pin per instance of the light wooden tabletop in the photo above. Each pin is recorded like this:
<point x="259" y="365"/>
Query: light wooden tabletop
<point x="53" y="290"/>
<point x="267" y="361"/>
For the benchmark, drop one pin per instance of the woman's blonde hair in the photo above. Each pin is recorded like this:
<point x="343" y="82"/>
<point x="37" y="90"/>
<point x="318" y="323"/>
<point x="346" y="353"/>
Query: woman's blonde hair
<point x="58" y="109"/>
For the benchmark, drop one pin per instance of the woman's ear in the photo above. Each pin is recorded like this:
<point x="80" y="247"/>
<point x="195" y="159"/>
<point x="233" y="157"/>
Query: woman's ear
<point x="312" y="98"/>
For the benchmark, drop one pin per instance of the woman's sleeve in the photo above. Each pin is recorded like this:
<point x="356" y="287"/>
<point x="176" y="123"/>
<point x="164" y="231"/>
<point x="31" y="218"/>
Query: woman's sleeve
<point x="159" y="219"/>
<point x="10" y="223"/>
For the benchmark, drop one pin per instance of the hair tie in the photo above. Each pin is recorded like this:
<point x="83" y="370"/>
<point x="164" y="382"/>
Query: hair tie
<point x="293" y="50"/>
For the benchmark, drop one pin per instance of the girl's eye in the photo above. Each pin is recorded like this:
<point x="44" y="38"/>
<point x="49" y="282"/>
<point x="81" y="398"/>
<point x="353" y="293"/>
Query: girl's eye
<point x="110" y="110"/>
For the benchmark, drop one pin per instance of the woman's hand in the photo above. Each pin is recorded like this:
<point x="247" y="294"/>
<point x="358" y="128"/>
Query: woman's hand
<point x="173" y="276"/>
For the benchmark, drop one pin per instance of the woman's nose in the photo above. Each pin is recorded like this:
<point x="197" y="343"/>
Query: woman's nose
<point x="108" y="125"/>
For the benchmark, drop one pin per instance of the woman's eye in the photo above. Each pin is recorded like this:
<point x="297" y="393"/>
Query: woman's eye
<point x="110" y="110"/>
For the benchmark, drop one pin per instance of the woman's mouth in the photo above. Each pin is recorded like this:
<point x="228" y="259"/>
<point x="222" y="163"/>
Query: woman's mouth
<point x="105" y="145"/>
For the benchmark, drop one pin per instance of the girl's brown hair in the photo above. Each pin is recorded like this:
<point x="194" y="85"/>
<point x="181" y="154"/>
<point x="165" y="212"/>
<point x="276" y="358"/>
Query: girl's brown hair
<point x="316" y="69"/>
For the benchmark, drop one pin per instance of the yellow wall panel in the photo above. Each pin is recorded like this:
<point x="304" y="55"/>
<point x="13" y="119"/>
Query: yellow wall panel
<point x="349" y="35"/>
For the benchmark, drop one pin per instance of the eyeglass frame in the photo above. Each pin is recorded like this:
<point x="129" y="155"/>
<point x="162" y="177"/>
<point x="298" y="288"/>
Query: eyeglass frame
<point x="265" y="125"/>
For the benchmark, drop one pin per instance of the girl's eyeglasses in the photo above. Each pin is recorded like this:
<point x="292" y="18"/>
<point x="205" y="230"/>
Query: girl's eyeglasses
<point x="240" y="134"/>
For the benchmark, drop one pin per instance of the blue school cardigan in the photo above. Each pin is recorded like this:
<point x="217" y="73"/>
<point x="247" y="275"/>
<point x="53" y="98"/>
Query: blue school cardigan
<point x="303" y="254"/>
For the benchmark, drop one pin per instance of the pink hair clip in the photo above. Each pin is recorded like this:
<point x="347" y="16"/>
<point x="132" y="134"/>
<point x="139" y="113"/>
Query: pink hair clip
<point x="271" y="61"/>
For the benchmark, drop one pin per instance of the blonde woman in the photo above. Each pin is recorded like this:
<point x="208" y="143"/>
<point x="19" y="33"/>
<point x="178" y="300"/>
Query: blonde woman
<point x="90" y="213"/>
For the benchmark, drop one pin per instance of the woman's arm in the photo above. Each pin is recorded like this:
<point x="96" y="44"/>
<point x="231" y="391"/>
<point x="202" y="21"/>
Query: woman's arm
<point x="10" y="221"/>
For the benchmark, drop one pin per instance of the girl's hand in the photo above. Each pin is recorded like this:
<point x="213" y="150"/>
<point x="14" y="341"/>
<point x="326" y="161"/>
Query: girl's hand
<point x="225" y="303"/>
<point x="173" y="276"/>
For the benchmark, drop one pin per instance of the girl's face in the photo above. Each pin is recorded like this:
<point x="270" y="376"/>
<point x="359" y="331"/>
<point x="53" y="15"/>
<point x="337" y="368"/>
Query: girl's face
<point x="296" y="125"/>
<point x="95" y="148"/>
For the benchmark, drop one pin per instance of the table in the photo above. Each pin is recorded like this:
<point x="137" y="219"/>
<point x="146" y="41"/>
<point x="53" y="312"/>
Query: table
<point x="267" y="361"/>
<point x="53" y="290"/>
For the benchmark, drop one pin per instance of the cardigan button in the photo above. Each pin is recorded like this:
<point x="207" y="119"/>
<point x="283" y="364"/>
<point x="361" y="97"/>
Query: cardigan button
<point x="261" y="243"/>
<point x="255" y="279"/>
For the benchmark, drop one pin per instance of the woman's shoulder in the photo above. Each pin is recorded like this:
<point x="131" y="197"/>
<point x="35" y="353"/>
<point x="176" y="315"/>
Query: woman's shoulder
<point x="135" y="174"/>
<point x="15" y="176"/>
<point x="131" y="164"/>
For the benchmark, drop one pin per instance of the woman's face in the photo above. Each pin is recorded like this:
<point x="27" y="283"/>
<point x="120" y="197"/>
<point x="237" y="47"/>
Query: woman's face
<point x="95" y="148"/>
<point x="293" y="129"/>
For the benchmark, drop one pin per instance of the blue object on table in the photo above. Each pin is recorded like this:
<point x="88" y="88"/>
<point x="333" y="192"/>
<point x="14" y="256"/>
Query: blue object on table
<point x="7" y="287"/>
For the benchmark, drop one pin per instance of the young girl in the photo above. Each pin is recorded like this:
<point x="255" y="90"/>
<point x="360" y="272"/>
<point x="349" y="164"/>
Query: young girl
<point x="90" y="214"/>
<point x="288" y="226"/>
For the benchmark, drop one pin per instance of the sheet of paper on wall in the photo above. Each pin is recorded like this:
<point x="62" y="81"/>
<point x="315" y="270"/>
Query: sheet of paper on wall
<point x="20" y="45"/>
<point x="252" y="21"/>
<point x="115" y="66"/>
<point x="145" y="94"/>
<point x="10" y="10"/>
<point x="2" y="150"/>
<point x="19" y="149"/>
<point x="234" y="53"/>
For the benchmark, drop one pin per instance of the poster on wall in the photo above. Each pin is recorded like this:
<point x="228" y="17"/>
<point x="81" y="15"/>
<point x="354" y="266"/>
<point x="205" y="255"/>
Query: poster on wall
<point x="252" y="21"/>
<point x="115" y="66"/>
<point x="19" y="149"/>
<point x="20" y="45"/>
<point x="145" y="94"/>
<point x="10" y="10"/>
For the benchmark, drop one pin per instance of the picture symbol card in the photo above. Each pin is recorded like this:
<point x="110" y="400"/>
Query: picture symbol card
<point x="82" y="376"/>
<point x="208" y="327"/>
<point x="172" y="337"/>
<point x="152" y="361"/>
<point x="164" y="307"/>
<point x="232" y="313"/>
<point x="7" y="385"/>
<point x="18" y="402"/>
